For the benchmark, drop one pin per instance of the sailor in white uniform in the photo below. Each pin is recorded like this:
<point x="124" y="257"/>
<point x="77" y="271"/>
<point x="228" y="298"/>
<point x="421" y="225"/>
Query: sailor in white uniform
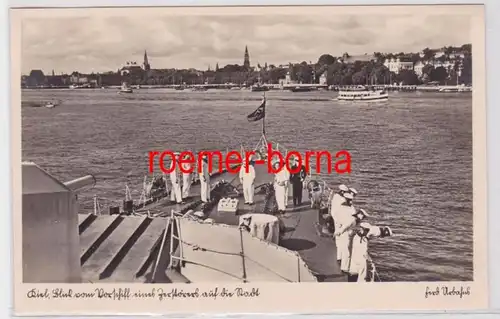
<point x="358" y="268"/>
<point x="346" y="230"/>
<point x="187" y="179"/>
<point x="281" y="179"/>
<point x="337" y="200"/>
<point x="175" y="179"/>
<point x="353" y="191"/>
<point x="205" y="180"/>
<point x="358" y="265"/>
<point x="247" y="179"/>
<point x="287" y="185"/>
<point x="379" y="231"/>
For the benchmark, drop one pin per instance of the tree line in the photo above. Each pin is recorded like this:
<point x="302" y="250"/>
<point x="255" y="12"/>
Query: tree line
<point x="336" y="69"/>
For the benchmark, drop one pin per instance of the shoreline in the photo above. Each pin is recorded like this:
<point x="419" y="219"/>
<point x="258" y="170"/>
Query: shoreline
<point x="411" y="88"/>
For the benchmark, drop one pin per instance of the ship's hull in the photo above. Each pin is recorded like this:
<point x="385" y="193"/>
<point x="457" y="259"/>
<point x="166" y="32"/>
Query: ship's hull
<point x="260" y="89"/>
<point x="302" y="89"/>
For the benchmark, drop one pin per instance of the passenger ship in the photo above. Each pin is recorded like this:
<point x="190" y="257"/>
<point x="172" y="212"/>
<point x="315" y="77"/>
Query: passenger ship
<point x="155" y="240"/>
<point x="363" y="94"/>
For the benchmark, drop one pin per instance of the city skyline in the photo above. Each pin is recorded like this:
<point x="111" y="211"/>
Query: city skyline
<point x="100" y="44"/>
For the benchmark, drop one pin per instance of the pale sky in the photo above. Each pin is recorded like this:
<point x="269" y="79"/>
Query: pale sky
<point x="103" y="44"/>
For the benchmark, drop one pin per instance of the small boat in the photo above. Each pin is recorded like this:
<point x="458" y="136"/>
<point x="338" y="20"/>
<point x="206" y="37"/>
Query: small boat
<point x="50" y="105"/>
<point x="259" y="88"/>
<point x="303" y="89"/>
<point x="363" y="95"/>
<point x="455" y="89"/>
<point x="125" y="88"/>
<point x="199" y="88"/>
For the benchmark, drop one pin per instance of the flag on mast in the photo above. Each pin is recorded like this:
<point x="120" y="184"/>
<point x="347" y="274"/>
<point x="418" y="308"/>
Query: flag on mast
<point x="259" y="113"/>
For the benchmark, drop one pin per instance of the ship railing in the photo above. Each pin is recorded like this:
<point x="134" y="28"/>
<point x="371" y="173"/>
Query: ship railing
<point x="146" y="196"/>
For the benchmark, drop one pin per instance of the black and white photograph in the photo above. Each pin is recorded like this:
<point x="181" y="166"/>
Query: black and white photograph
<point x="245" y="147"/>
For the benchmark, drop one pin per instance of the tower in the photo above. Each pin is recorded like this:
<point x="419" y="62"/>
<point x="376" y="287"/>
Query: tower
<point x="246" y="62"/>
<point x="146" y="65"/>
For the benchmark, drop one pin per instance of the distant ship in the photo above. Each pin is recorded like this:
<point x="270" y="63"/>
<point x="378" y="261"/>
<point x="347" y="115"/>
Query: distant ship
<point x="303" y="89"/>
<point x="362" y="94"/>
<point x="125" y="88"/>
<point x="259" y="88"/>
<point x="455" y="89"/>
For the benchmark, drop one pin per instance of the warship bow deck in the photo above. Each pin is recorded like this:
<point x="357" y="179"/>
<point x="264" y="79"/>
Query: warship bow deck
<point x="117" y="248"/>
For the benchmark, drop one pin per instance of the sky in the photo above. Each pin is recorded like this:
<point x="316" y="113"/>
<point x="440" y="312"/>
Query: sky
<point x="100" y="44"/>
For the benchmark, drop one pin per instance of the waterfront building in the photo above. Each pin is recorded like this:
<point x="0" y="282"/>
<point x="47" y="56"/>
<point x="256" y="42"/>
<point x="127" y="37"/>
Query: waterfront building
<point x="418" y="68"/>
<point x="438" y="54"/>
<point x="349" y="59"/>
<point x="397" y="64"/>
<point x="78" y="78"/>
<point x="323" y="78"/>
<point x="287" y="80"/>
<point x="36" y="78"/>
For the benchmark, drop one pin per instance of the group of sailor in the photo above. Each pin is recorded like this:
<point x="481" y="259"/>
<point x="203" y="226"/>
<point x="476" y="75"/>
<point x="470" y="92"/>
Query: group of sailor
<point x="352" y="233"/>
<point x="180" y="193"/>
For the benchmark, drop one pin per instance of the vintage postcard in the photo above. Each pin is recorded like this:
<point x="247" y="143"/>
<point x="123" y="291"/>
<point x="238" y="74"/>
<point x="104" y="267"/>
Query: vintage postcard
<point x="249" y="159"/>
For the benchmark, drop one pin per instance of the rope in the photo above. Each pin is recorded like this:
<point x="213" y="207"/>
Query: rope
<point x="197" y="247"/>
<point x="374" y="269"/>
<point x="207" y="266"/>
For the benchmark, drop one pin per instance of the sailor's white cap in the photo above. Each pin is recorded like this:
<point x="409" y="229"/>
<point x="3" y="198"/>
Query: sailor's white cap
<point x="362" y="211"/>
<point x="365" y="225"/>
<point x="199" y="214"/>
<point x="353" y="191"/>
<point x="343" y="188"/>
<point x="348" y="196"/>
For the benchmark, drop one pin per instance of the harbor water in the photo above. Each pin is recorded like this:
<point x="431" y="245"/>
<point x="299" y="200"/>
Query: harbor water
<point x="411" y="155"/>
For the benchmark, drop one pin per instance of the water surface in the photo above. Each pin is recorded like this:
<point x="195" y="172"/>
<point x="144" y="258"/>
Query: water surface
<point x="412" y="155"/>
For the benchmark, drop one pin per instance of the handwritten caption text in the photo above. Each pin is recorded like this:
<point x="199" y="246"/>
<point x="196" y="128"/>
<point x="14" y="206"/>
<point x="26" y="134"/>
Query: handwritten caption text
<point x="160" y="294"/>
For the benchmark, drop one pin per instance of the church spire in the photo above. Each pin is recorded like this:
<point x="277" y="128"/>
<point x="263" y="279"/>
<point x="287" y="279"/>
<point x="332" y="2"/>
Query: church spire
<point x="147" y="67"/>
<point x="246" y="62"/>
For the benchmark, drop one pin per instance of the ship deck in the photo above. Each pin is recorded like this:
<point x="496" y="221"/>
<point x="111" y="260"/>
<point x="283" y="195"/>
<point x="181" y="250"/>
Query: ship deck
<point x="117" y="248"/>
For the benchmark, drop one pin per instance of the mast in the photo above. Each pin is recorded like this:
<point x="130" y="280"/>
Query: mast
<point x="264" y="119"/>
